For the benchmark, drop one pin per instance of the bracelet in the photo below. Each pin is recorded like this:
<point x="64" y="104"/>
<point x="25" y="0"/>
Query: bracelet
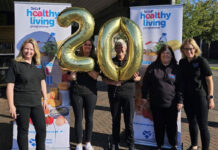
<point x="45" y="98"/>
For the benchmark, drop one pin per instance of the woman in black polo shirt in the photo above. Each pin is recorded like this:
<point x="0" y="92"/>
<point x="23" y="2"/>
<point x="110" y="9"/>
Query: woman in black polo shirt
<point x="198" y="92"/>
<point x="161" y="84"/>
<point x="83" y="94"/>
<point x="25" y="82"/>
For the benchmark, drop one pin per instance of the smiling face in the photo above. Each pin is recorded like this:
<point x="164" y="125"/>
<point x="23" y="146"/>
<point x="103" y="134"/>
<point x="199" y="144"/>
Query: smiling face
<point x="87" y="47"/>
<point x="28" y="51"/>
<point x="120" y="51"/>
<point x="166" y="57"/>
<point x="189" y="51"/>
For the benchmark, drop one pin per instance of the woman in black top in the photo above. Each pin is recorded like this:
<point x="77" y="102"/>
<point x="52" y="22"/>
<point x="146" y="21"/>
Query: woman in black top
<point x="161" y="84"/>
<point x="198" y="92"/>
<point x="83" y="94"/>
<point x="25" y="82"/>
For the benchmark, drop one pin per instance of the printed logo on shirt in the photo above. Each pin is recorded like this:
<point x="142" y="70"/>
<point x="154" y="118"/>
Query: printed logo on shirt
<point x="39" y="66"/>
<point x="172" y="76"/>
<point x="195" y="65"/>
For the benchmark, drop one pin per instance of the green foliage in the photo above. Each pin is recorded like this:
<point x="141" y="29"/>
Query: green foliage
<point x="50" y="48"/>
<point x="200" y="19"/>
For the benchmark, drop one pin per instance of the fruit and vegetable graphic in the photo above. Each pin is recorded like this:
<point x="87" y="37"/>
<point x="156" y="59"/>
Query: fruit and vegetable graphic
<point x="60" y="120"/>
<point x="152" y="47"/>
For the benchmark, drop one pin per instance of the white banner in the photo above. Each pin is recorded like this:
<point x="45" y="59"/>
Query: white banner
<point x="158" y="24"/>
<point x="39" y="21"/>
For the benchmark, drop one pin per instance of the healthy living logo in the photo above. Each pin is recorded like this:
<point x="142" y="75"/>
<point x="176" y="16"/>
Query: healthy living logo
<point x="39" y="17"/>
<point x="154" y="19"/>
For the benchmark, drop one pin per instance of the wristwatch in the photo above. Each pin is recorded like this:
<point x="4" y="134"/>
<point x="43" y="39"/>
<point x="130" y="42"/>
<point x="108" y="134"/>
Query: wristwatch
<point x="210" y="96"/>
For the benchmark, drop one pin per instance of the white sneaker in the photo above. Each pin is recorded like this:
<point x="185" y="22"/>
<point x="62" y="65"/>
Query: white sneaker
<point x="88" y="147"/>
<point x="79" y="147"/>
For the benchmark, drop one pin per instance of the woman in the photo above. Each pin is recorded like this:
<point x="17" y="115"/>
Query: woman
<point x="161" y="84"/>
<point x="121" y="98"/>
<point x="83" y="94"/>
<point x="25" y="82"/>
<point x="198" y="92"/>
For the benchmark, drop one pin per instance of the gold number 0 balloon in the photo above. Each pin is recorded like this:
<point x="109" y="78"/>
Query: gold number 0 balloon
<point x="66" y="54"/>
<point x="104" y="48"/>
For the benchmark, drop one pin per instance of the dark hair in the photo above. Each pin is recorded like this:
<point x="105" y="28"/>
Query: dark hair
<point x="163" y="48"/>
<point x="92" y="53"/>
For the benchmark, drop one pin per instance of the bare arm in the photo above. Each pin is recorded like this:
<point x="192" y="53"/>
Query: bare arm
<point x="111" y="82"/>
<point x="10" y="97"/>
<point x="93" y="74"/>
<point x="210" y="87"/>
<point x="44" y="94"/>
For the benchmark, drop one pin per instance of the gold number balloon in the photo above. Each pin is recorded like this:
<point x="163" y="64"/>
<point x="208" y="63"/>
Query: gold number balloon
<point x="104" y="47"/>
<point x="66" y="54"/>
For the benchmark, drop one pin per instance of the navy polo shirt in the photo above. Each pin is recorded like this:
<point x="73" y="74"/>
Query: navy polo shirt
<point x="194" y="74"/>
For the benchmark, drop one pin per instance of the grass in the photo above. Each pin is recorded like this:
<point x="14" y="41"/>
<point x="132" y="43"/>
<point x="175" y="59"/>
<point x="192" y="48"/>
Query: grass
<point x="214" y="68"/>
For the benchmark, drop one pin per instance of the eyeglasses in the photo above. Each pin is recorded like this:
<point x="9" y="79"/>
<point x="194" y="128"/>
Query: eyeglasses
<point x="188" y="49"/>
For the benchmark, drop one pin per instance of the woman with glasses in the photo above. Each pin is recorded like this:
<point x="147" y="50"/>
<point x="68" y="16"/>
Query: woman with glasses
<point x="198" y="92"/>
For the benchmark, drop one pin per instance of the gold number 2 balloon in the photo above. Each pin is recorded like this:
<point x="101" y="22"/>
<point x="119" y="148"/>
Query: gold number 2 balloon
<point x="66" y="54"/>
<point x="104" y="47"/>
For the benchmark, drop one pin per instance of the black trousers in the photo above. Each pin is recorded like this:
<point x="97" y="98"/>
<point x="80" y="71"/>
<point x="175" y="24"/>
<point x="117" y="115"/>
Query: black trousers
<point x="118" y="104"/>
<point x="165" y="119"/>
<point x="88" y="102"/>
<point x="38" y="118"/>
<point x="196" y="108"/>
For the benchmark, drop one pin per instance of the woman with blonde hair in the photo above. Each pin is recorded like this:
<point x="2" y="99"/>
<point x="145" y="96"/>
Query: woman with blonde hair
<point x="25" y="86"/>
<point x="198" y="92"/>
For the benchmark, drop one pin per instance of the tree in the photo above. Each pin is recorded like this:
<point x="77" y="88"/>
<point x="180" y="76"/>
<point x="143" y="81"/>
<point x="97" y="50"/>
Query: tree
<point x="200" y="19"/>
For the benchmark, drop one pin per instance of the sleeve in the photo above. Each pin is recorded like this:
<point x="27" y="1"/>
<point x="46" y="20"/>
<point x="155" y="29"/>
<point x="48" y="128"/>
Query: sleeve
<point x="179" y="86"/>
<point x="205" y="68"/>
<point x="43" y="72"/>
<point x="11" y="73"/>
<point x="146" y="82"/>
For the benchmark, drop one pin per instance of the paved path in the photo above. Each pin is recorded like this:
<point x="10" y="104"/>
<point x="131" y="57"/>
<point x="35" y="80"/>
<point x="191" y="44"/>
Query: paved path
<point x="102" y="124"/>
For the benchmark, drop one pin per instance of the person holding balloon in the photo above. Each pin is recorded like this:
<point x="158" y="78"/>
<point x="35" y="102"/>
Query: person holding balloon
<point x="25" y="86"/>
<point x="162" y="89"/>
<point x="83" y="94"/>
<point x="121" y="98"/>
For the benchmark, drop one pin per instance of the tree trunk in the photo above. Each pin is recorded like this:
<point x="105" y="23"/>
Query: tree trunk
<point x="201" y="41"/>
<point x="208" y="49"/>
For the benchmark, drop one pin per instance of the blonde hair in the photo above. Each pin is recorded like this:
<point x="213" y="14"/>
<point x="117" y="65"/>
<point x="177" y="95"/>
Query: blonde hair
<point x="36" y="58"/>
<point x="194" y="44"/>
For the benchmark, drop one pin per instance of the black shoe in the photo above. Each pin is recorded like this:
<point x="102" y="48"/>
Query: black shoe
<point x="115" y="147"/>
<point x="173" y="148"/>
<point x="132" y="147"/>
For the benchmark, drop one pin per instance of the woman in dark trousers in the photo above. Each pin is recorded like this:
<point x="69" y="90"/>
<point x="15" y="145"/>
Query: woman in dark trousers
<point x="25" y="87"/>
<point x="198" y="92"/>
<point x="161" y="84"/>
<point x="83" y="94"/>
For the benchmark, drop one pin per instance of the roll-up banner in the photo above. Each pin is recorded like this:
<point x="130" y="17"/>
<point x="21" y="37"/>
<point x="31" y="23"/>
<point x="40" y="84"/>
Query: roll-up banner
<point x="39" y="21"/>
<point x="158" y="24"/>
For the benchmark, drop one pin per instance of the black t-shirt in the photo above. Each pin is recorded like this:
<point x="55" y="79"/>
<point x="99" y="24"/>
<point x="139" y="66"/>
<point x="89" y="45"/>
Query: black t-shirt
<point x="27" y="83"/>
<point x="193" y="74"/>
<point x="84" y="83"/>
<point x="127" y="87"/>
